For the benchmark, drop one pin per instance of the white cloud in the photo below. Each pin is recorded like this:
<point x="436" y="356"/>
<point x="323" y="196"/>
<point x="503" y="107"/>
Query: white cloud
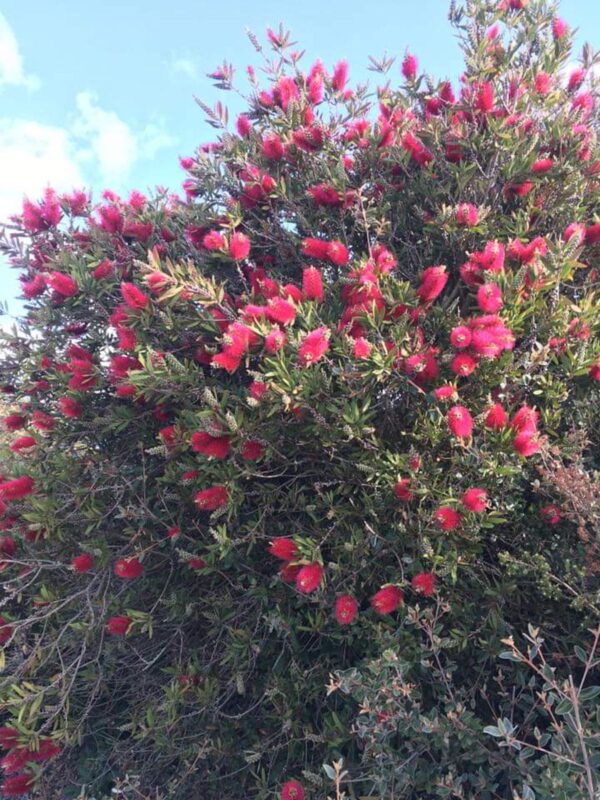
<point x="33" y="156"/>
<point x="96" y="145"/>
<point x="109" y="143"/>
<point x="184" y="66"/>
<point x="12" y="72"/>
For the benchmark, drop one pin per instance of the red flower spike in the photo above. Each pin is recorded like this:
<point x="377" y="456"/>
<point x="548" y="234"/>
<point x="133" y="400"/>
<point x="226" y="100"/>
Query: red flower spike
<point x="212" y="498"/>
<point x="432" y="283"/>
<point x="292" y="790"/>
<point x="475" y="500"/>
<point x="447" y="518"/>
<point x="211" y="446"/>
<point x="387" y="600"/>
<point x="424" y="583"/>
<point x="496" y="418"/>
<point x="309" y="578"/>
<point x="128" y="568"/>
<point x="118" y="626"/>
<point x="82" y="563"/>
<point x="239" y="246"/>
<point x="460" y="422"/>
<point x="283" y="548"/>
<point x="314" y="346"/>
<point x="402" y="490"/>
<point x="551" y="514"/>
<point x="134" y="298"/>
<point x="346" y="608"/>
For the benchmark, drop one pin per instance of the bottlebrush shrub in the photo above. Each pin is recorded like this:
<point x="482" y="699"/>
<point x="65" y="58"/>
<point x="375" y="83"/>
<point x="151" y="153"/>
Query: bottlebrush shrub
<point x="308" y="418"/>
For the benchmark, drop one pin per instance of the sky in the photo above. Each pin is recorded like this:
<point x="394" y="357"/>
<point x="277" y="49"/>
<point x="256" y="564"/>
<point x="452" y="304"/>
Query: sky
<point x="101" y="95"/>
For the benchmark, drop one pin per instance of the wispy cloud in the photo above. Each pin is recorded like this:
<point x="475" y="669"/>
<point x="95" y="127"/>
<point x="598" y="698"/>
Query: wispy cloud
<point x="12" y="72"/>
<point x="180" y="65"/>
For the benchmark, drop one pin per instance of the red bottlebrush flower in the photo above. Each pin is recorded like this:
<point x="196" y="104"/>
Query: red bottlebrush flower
<point x="447" y="518"/>
<point x="445" y="392"/>
<point x="325" y="195"/>
<point x="227" y="360"/>
<point x="239" y="246"/>
<point x="257" y="390"/>
<point x="140" y="231"/>
<point x="8" y="546"/>
<point x="542" y="165"/>
<point x="134" y="297"/>
<point x="475" y="500"/>
<point x="243" y="126"/>
<point x="275" y="340"/>
<point x="463" y="365"/>
<point x="196" y="563"/>
<point x="592" y="234"/>
<point x="17" y="785"/>
<point x="9" y="737"/>
<point x="210" y="446"/>
<point x="252" y="450"/>
<point x="292" y="790"/>
<point x="361" y="348"/>
<point x="292" y="292"/>
<point x="551" y="514"/>
<point x="542" y="83"/>
<point x="128" y="568"/>
<point x="212" y="498"/>
<point x="525" y="419"/>
<point x="281" y="311"/>
<point x="23" y="443"/>
<point x="35" y="287"/>
<point x="6" y="631"/>
<point x="484" y="99"/>
<point x="284" y="548"/>
<point x="14" y="422"/>
<point x="424" y="583"/>
<point x="239" y="338"/>
<point x="119" y="625"/>
<point x="17" y="488"/>
<point x="559" y="28"/>
<point x="345" y="609"/>
<point x="460" y="422"/>
<point x="387" y="600"/>
<point x="337" y="254"/>
<point x="340" y="76"/>
<point x="213" y="240"/>
<point x="409" y="67"/>
<point x="433" y="280"/>
<point x="526" y="443"/>
<point x="402" y="490"/>
<point x="63" y="284"/>
<point x="467" y="215"/>
<point x="312" y="284"/>
<point x="272" y="148"/>
<point x="309" y="139"/>
<point x="82" y="563"/>
<point x="489" y="298"/>
<point x="309" y="578"/>
<point x="168" y="436"/>
<point x="518" y="189"/>
<point x="594" y="371"/>
<point x="315" y="248"/>
<point x="314" y="346"/>
<point x="460" y="337"/>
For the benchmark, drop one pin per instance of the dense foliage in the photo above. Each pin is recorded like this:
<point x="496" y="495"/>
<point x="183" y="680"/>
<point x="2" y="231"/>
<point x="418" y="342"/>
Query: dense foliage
<point x="301" y="488"/>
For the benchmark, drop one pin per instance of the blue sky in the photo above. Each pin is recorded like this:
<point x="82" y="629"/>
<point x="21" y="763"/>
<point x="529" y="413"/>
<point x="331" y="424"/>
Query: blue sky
<point x="101" y="94"/>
